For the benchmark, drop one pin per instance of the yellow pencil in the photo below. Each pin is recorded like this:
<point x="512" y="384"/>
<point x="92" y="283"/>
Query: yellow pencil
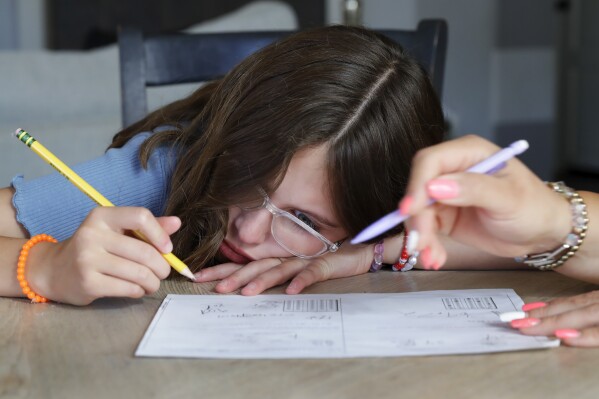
<point x="91" y="192"/>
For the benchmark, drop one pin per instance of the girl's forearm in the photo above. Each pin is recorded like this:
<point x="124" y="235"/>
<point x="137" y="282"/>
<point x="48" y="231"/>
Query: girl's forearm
<point x="10" y="249"/>
<point x="12" y="238"/>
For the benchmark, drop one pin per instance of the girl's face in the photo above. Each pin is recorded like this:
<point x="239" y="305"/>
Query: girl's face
<point x="303" y="193"/>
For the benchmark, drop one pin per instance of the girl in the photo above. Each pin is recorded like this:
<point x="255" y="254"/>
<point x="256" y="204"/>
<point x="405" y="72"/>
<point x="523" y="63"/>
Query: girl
<point x="299" y="147"/>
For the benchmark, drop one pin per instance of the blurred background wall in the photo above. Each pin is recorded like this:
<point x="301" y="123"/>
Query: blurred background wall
<point x="515" y="69"/>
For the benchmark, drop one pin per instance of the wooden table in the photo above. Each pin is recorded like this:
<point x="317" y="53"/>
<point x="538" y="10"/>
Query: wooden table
<point x="60" y="351"/>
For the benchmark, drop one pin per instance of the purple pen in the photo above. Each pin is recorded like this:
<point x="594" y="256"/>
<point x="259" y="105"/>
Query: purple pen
<point x="489" y="166"/>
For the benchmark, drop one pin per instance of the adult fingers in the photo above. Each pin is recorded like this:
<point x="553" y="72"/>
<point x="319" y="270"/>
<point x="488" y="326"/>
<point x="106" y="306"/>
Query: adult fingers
<point x="432" y="252"/>
<point x="561" y="305"/>
<point x="448" y="157"/>
<point x="587" y="337"/>
<point x="475" y="190"/>
<point x="577" y="319"/>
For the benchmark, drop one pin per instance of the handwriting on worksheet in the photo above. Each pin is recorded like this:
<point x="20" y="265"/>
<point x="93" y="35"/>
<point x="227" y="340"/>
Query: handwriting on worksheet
<point x="336" y="326"/>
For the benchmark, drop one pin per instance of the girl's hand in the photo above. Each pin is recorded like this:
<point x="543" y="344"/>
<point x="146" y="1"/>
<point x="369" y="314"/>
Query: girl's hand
<point x="508" y="214"/>
<point x="260" y="275"/>
<point x="253" y="278"/>
<point x="573" y="319"/>
<point x="349" y="260"/>
<point x="102" y="260"/>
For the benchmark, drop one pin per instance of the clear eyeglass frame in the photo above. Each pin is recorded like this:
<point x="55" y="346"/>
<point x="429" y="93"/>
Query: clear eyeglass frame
<point x="327" y="245"/>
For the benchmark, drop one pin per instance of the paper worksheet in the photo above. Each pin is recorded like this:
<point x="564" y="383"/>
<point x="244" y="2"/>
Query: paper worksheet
<point x="336" y="325"/>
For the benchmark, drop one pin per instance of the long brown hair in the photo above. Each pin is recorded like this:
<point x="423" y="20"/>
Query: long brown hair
<point x="347" y="87"/>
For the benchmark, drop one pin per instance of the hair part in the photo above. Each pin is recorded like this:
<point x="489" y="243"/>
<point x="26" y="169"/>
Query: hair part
<point x="350" y="88"/>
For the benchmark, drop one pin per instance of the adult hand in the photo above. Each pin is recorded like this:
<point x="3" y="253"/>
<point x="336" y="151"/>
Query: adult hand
<point x="102" y="260"/>
<point x="510" y="213"/>
<point x="575" y="320"/>
<point x="260" y="275"/>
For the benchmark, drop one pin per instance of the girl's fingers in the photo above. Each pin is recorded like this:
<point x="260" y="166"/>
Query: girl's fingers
<point x="137" y="219"/>
<point x="350" y="260"/>
<point x="317" y="270"/>
<point x="245" y="274"/>
<point x="128" y="271"/>
<point x="138" y="252"/>
<point x="106" y="286"/>
<point x="217" y="272"/>
<point x="275" y="276"/>
<point x="332" y="266"/>
<point x="170" y="224"/>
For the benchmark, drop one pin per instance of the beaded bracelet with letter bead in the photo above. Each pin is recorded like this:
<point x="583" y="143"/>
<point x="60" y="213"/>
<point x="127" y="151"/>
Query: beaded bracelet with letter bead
<point x="580" y="222"/>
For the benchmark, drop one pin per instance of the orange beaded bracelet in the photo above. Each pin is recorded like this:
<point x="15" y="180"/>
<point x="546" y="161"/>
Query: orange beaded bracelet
<point x="23" y="261"/>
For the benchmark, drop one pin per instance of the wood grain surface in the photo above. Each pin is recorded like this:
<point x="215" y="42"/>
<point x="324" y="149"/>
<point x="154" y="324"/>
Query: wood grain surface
<point x="61" y="351"/>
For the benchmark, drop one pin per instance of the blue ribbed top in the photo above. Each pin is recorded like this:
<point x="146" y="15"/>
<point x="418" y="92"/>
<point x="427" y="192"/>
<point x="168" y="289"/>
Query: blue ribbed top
<point x="52" y="205"/>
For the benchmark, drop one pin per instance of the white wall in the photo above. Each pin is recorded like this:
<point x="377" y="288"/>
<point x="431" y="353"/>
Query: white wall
<point x="467" y="83"/>
<point x="500" y="69"/>
<point x="8" y="36"/>
<point x="22" y="25"/>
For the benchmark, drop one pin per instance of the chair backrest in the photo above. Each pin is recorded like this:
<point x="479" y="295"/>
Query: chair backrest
<point x="188" y="58"/>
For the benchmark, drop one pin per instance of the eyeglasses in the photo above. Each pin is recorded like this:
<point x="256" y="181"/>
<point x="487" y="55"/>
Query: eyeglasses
<point x="291" y="233"/>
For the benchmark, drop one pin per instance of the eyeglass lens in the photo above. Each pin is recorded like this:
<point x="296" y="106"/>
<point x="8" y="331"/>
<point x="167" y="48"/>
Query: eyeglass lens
<point x="295" y="238"/>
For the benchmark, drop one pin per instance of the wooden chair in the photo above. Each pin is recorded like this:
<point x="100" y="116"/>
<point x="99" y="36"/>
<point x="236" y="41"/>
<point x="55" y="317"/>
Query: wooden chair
<point x="187" y="58"/>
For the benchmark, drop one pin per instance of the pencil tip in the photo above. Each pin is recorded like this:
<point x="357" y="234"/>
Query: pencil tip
<point x="187" y="273"/>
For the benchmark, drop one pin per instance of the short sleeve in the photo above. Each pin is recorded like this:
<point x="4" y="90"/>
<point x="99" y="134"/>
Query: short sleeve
<point x="52" y="205"/>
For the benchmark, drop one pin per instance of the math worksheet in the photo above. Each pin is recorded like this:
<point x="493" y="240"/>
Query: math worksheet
<point x="336" y="325"/>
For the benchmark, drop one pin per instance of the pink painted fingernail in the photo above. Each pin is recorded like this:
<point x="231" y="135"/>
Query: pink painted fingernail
<point x="443" y="189"/>
<point x="533" y="305"/>
<point x="406" y="204"/>
<point x="566" y="333"/>
<point x="425" y="256"/>
<point x="524" y="323"/>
